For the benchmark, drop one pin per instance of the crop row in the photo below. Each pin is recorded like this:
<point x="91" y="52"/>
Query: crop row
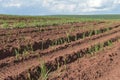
<point x="44" y="69"/>
<point x="69" y="38"/>
<point x="51" y="43"/>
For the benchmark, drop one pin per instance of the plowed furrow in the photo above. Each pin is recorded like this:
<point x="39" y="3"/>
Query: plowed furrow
<point x="64" y="46"/>
<point x="10" y="49"/>
<point x="20" y="38"/>
<point x="4" y="32"/>
<point x="103" y="66"/>
<point x="81" y="41"/>
<point x="68" y="54"/>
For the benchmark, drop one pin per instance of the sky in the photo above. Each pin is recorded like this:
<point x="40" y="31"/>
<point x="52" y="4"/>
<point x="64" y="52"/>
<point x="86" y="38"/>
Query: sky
<point x="59" y="7"/>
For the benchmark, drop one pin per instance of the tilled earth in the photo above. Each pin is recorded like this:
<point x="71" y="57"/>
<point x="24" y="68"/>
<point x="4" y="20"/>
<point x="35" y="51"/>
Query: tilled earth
<point x="64" y="50"/>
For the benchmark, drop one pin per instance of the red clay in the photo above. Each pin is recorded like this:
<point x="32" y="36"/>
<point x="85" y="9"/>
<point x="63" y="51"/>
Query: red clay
<point x="102" y="66"/>
<point x="72" y="66"/>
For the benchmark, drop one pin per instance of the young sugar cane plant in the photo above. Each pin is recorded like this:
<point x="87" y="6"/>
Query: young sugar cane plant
<point x="99" y="47"/>
<point x="91" y="32"/>
<point x="109" y="43"/>
<point x="17" y="54"/>
<point x="83" y="35"/>
<point x="68" y="37"/>
<point x="95" y="32"/>
<point x="25" y="52"/>
<point x="44" y="71"/>
<point x="76" y="37"/>
<point x="96" y="48"/>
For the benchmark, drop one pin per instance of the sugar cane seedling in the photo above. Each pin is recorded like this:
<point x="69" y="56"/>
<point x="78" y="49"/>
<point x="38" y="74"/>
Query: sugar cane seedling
<point x="56" y="42"/>
<point x="27" y="47"/>
<point x="108" y="29"/>
<point x="29" y="76"/>
<point x="61" y="41"/>
<point x="52" y="44"/>
<point x="90" y="34"/>
<point x="44" y="72"/>
<point x="83" y="35"/>
<point x="109" y="43"/>
<point x="76" y="38"/>
<point x="40" y="29"/>
<point x="101" y="46"/>
<point x="96" y="48"/>
<point x="25" y="53"/>
<point x="98" y="31"/>
<point x="89" y="50"/>
<point x="95" y="32"/>
<point x="17" y="54"/>
<point x="93" y="49"/>
<point x="79" y="55"/>
<point x="31" y="47"/>
<point x="58" y="67"/>
<point x="68" y="37"/>
<point x="65" y="64"/>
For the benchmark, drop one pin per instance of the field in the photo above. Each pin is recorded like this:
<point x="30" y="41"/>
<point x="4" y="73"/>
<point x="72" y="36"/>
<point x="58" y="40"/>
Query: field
<point x="82" y="47"/>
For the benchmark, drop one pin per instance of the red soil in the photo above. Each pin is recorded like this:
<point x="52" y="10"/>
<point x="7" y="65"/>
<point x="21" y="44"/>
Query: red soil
<point x="81" y="67"/>
<point x="102" y="66"/>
